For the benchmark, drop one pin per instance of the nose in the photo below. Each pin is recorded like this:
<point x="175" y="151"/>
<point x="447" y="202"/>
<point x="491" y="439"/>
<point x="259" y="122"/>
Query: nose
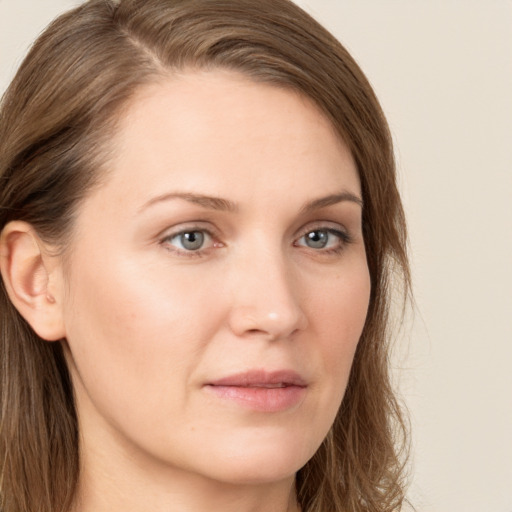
<point x="265" y="299"/>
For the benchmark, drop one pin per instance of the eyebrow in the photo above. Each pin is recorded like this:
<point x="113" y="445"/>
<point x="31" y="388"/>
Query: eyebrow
<point x="218" y="203"/>
<point x="324" y="202"/>
<point x="209" y="202"/>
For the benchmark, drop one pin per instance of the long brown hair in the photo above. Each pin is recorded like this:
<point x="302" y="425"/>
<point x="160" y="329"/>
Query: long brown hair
<point x="56" y="119"/>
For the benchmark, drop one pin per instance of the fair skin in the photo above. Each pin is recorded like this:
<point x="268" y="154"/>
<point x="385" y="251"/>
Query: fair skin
<point x="212" y="298"/>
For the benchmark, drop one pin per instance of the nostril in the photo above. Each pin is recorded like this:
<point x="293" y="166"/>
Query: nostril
<point x="254" y="331"/>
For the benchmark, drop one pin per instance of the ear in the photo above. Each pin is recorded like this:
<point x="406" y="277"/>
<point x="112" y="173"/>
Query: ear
<point x="33" y="279"/>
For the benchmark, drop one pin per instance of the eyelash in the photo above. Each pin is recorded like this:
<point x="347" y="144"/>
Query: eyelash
<point x="344" y="240"/>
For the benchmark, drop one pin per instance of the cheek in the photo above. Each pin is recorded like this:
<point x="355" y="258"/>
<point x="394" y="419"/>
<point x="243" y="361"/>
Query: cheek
<point x="134" y="304"/>
<point x="342" y="304"/>
<point x="134" y="335"/>
<point x="340" y="313"/>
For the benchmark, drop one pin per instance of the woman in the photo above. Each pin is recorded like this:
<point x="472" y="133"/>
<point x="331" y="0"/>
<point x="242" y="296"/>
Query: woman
<point x="200" y="222"/>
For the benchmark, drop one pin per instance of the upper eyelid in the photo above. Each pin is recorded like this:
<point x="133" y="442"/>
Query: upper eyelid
<point x="327" y="225"/>
<point x="186" y="227"/>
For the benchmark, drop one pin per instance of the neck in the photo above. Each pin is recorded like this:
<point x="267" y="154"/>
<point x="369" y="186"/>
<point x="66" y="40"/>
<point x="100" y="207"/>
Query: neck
<point x="184" y="494"/>
<point x="123" y="483"/>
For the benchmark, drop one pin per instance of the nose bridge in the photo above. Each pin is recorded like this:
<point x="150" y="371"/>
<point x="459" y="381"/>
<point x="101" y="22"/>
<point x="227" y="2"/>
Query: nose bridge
<point x="265" y="298"/>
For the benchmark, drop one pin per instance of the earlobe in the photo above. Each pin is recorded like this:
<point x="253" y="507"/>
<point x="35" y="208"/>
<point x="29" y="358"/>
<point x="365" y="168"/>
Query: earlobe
<point x="29" y="273"/>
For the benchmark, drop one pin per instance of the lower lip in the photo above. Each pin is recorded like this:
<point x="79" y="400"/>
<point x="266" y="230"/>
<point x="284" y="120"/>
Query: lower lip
<point x="259" y="398"/>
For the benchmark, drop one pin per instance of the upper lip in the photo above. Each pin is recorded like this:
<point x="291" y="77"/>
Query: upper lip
<point x="261" y="378"/>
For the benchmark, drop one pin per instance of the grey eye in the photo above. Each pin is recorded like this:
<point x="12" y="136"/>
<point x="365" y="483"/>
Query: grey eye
<point x="317" y="239"/>
<point x="325" y="238"/>
<point x="189" y="240"/>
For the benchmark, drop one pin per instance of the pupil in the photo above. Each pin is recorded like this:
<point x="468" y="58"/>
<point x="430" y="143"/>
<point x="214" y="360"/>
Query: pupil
<point x="193" y="240"/>
<point x="317" y="239"/>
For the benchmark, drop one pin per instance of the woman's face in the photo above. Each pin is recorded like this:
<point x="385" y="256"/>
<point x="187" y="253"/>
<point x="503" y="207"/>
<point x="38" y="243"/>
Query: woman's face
<point x="217" y="282"/>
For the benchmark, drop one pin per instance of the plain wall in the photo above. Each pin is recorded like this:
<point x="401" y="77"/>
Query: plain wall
<point x="443" y="72"/>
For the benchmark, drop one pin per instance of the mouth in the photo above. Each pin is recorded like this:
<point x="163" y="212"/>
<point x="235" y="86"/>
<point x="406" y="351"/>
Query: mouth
<point x="260" y="390"/>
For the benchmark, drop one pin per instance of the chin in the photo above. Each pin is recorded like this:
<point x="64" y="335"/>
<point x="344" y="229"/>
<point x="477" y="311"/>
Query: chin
<point x="251" y="473"/>
<point x="259" y="460"/>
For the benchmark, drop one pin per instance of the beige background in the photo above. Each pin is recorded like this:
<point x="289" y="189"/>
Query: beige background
<point x="443" y="71"/>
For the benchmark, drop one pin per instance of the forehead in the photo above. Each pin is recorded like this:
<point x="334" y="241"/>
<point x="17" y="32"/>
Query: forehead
<point x="220" y="133"/>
